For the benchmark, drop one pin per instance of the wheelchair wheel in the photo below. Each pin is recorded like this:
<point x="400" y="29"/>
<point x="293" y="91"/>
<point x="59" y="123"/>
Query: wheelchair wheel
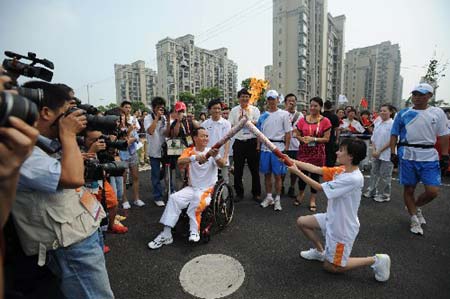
<point x="220" y="211"/>
<point x="223" y="204"/>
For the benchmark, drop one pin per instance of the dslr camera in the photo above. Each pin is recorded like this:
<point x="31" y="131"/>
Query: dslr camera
<point x="94" y="170"/>
<point x="106" y="124"/>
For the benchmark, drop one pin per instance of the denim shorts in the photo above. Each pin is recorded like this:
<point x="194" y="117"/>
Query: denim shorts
<point x="413" y="172"/>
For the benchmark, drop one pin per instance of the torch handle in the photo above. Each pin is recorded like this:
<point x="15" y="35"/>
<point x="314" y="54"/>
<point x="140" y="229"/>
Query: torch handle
<point x="229" y="135"/>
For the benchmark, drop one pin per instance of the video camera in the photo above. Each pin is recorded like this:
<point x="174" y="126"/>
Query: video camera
<point x="93" y="169"/>
<point x="16" y="68"/>
<point x="18" y="105"/>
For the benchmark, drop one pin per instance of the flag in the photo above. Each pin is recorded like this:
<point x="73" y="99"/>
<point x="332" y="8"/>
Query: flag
<point x="364" y="103"/>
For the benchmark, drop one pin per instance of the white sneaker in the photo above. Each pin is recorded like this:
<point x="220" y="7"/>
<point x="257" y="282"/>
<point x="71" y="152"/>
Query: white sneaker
<point x="415" y="226"/>
<point x="159" y="203"/>
<point x="381" y="199"/>
<point x="382" y="267"/>
<point x="139" y="203"/>
<point x="277" y="205"/>
<point x="313" y="255"/>
<point x="367" y="194"/>
<point x="194" y="237"/>
<point x="126" y="205"/>
<point x="159" y="241"/>
<point x="268" y="201"/>
<point x="420" y="216"/>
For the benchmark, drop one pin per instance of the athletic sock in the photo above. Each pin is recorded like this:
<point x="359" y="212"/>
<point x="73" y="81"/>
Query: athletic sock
<point x="167" y="231"/>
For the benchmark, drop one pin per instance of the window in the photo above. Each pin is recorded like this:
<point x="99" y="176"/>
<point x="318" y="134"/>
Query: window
<point x="279" y="64"/>
<point x="279" y="53"/>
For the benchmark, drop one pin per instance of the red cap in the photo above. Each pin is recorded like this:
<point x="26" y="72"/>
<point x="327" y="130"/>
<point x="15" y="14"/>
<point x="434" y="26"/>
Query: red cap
<point x="180" y="106"/>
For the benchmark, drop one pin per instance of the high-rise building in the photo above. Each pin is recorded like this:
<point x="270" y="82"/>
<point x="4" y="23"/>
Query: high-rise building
<point x="308" y="46"/>
<point x="268" y="75"/>
<point x="183" y="67"/>
<point x="135" y="82"/>
<point x="374" y="73"/>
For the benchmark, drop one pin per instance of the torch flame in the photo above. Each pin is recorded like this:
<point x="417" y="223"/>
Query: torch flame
<point x="256" y="88"/>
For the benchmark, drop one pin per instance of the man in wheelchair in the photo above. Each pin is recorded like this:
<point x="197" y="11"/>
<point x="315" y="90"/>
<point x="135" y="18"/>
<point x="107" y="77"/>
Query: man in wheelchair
<point x="202" y="173"/>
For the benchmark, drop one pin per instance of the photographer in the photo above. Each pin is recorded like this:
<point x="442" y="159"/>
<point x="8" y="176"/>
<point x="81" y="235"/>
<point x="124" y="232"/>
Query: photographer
<point x="130" y="155"/>
<point x="16" y="144"/>
<point x="180" y="134"/>
<point x="94" y="143"/>
<point x="56" y="220"/>
<point x="155" y="125"/>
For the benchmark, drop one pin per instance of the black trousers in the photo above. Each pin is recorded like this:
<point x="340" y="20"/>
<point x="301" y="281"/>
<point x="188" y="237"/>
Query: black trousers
<point x="330" y="153"/>
<point x="245" y="150"/>
<point x="302" y="184"/>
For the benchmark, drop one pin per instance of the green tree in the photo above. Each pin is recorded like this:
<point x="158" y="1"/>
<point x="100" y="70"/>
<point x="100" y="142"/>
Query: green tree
<point x="207" y="94"/>
<point x="187" y="97"/>
<point x="138" y="105"/>
<point x="111" y="106"/>
<point x="102" y="108"/>
<point x="435" y="72"/>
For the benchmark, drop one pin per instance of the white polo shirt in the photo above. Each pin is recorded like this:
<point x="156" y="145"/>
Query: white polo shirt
<point x="381" y="136"/>
<point x="216" y="130"/>
<point x="253" y="115"/>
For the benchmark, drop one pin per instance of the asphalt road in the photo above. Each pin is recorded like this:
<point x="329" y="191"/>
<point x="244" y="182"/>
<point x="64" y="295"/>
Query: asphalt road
<point x="267" y="244"/>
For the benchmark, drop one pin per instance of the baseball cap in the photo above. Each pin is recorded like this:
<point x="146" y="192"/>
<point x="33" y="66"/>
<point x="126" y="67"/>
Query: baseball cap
<point x="180" y="106"/>
<point x="272" y="94"/>
<point x="423" y="88"/>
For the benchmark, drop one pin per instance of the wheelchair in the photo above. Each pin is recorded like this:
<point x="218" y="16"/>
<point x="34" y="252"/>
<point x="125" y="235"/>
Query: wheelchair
<point x="216" y="216"/>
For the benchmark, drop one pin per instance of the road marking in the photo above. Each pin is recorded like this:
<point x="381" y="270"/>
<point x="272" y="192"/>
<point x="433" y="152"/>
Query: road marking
<point x="212" y="276"/>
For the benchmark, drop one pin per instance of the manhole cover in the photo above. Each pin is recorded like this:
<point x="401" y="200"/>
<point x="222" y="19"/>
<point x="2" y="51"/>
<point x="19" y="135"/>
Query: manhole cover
<point x="212" y="276"/>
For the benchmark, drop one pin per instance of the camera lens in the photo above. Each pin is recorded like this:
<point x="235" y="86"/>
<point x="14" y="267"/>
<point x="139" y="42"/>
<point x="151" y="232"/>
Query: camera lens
<point x="103" y="123"/>
<point x="18" y="106"/>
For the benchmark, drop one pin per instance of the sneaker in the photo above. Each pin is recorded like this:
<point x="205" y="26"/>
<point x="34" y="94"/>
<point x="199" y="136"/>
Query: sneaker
<point x="268" y="201"/>
<point x="368" y="194"/>
<point x="381" y="199"/>
<point x="120" y="218"/>
<point x="126" y="205"/>
<point x="313" y="255"/>
<point x="194" y="237"/>
<point x="118" y="229"/>
<point x="420" y="216"/>
<point x="159" y="203"/>
<point x="139" y="203"/>
<point x="291" y="192"/>
<point x="415" y="226"/>
<point x="159" y="241"/>
<point x="277" y="205"/>
<point x="382" y="267"/>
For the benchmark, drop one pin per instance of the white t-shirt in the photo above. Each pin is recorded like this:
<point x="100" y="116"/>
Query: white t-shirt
<point x="355" y="124"/>
<point x="253" y="115"/>
<point x="381" y="136"/>
<point x="344" y="196"/>
<point x="420" y="127"/>
<point x="216" y="130"/>
<point x="275" y="126"/>
<point x="204" y="175"/>
<point x="155" y="140"/>
<point x="295" y="143"/>
<point x="134" y="122"/>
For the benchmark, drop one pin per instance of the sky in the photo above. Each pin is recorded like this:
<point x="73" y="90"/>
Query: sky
<point x="85" y="38"/>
